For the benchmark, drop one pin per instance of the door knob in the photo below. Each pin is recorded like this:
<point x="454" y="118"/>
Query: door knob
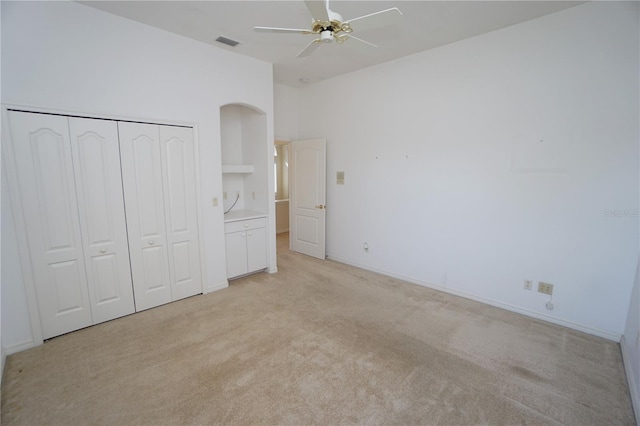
<point x="150" y="242"/>
<point x="320" y="206"/>
<point x="104" y="250"/>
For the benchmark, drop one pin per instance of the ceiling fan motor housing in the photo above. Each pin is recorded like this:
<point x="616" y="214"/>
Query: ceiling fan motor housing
<point x="327" y="29"/>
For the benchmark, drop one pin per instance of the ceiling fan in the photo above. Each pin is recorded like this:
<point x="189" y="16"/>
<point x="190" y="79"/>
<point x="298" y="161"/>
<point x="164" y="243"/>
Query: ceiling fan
<point x="330" y="27"/>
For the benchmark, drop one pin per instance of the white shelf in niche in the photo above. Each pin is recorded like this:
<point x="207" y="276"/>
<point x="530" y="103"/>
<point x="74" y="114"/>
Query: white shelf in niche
<point x="237" y="169"/>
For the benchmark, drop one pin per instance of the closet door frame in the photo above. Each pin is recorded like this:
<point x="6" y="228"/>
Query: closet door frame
<point x="9" y="166"/>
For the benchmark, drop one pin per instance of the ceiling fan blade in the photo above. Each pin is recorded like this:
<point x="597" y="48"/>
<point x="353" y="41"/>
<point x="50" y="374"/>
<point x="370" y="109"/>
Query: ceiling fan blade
<point x="376" y="20"/>
<point x="311" y="47"/>
<point x="360" y="40"/>
<point x="318" y="9"/>
<point x="280" y="30"/>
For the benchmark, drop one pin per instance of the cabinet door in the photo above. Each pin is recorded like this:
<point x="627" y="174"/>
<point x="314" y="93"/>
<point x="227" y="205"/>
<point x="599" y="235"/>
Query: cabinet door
<point x="96" y="160"/>
<point x="256" y="249"/>
<point x="46" y="186"/>
<point x="144" y="206"/>
<point x="236" y="243"/>
<point x="179" y="183"/>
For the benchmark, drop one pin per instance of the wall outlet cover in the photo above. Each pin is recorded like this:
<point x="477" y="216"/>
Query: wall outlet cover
<point x="545" y="288"/>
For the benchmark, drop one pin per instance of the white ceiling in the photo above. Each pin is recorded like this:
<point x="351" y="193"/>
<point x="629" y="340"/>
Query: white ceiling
<point x="424" y="25"/>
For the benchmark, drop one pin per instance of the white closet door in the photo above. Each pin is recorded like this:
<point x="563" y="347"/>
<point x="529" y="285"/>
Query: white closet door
<point x="46" y="184"/>
<point x="179" y="173"/>
<point x="144" y="206"/>
<point x="96" y="158"/>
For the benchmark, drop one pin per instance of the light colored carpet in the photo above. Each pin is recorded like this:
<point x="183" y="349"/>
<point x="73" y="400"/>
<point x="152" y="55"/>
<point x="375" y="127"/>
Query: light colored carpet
<point x="319" y="343"/>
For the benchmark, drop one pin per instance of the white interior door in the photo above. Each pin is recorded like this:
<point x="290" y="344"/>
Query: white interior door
<point x="307" y="192"/>
<point x="46" y="185"/>
<point x="96" y="159"/>
<point x="144" y="206"/>
<point x="179" y="173"/>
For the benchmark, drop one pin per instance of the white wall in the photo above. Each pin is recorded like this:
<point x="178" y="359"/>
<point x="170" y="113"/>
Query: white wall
<point x="70" y="57"/>
<point x="499" y="158"/>
<point x="285" y="118"/>
<point x="631" y="345"/>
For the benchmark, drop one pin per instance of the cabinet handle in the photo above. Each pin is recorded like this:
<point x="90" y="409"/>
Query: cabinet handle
<point x="250" y="234"/>
<point x="243" y="235"/>
<point x="150" y="242"/>
<point x="103" y="251"/>
<point x="246" y="225"/>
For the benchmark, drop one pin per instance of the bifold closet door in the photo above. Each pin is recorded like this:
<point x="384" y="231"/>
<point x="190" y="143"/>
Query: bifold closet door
<point x="144" y="205"/>
<point x="96" y="158"/>
<point x="44" y="168"/>
<point x="179" y="183"/>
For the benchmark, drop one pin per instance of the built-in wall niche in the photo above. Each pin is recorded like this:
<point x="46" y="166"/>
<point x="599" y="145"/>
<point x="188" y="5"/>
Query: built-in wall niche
<point x="246" y="158"/>
<point x="244" y="145"/>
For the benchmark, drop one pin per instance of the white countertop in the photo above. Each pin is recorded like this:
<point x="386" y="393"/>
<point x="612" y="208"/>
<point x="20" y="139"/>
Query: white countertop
<point x="235" y="215"/>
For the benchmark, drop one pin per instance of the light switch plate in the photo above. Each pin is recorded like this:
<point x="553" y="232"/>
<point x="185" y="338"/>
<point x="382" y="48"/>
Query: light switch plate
<point x="340" y="178"/>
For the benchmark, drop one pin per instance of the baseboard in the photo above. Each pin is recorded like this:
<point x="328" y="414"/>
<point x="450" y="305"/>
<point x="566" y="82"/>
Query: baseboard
<point x="615" y="337"/>
<point x="4" y="358"/>
<point x="18" y="347"/>
<point x="218" y="286"/>
<point x="634" y="387"/>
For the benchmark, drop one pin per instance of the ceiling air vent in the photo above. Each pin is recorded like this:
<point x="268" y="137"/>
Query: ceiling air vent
<point x="227" y="41"/>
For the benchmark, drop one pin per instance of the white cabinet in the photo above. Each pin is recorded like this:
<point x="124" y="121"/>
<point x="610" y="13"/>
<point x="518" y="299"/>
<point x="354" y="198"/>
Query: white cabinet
<point x="109" y="216"/>
<point x="246" y="242"/>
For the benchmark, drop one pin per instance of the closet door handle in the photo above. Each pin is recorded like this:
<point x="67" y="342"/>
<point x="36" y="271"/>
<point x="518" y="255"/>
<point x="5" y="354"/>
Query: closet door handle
<point x="320" y="206"/>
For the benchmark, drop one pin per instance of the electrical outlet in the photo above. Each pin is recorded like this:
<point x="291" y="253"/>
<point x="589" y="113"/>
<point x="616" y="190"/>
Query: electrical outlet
<point x="545" y="288"/>
<point x="528" y="284"/>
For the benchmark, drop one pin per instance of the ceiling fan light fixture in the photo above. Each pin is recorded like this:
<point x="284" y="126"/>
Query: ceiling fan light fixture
<point x="326" y="36"/>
